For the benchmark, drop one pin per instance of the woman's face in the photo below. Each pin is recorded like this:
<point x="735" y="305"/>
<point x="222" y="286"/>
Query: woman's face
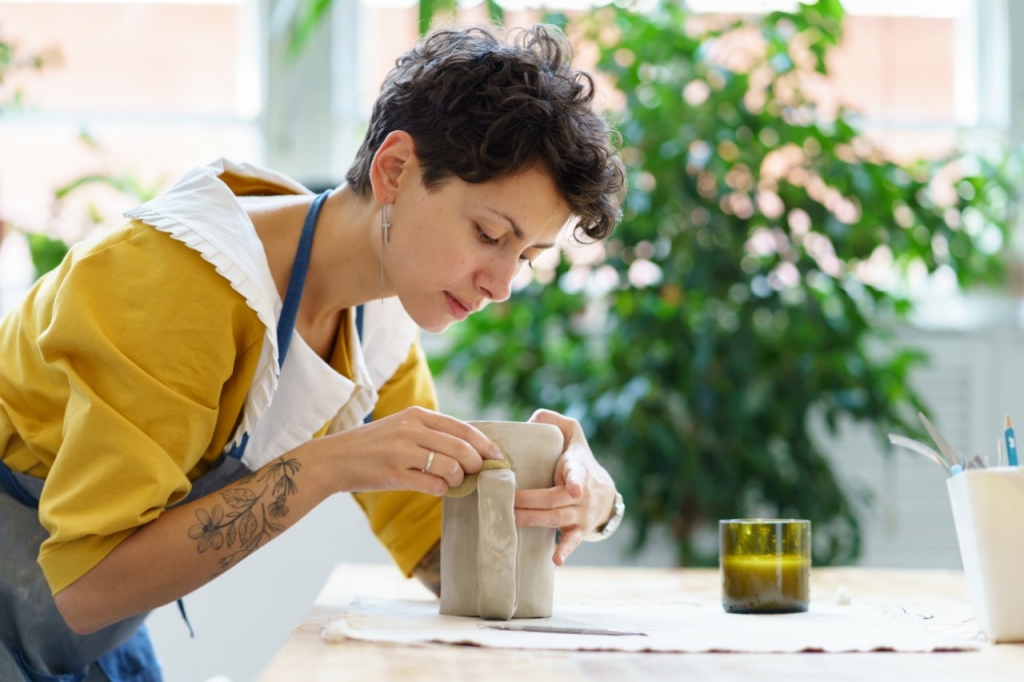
<point x="453" y="250"/>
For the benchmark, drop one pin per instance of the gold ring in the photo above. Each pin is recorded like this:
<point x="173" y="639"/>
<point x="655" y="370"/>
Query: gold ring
<point x="430" y="460"/>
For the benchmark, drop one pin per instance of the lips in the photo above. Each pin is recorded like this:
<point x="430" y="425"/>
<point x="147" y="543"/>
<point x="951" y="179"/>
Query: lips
<point x="456" y="307"/>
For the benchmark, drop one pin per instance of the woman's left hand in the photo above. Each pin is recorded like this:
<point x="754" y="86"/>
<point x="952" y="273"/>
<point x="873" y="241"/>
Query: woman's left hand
<point x="583" y="497"/>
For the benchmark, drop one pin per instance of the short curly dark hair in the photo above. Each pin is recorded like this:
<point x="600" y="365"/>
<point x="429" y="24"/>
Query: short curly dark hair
<point x="478" y="109"/>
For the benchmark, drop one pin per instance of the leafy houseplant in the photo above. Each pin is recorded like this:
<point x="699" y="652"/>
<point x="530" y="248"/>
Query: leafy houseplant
<point x="13" y="60"/>
<point x="746" y="288"/>
<point x="306" y="15"/>
<point x="48" y="251"/>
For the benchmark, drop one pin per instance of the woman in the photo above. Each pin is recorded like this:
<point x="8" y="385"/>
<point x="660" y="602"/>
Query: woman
<point x="162" y="391"/>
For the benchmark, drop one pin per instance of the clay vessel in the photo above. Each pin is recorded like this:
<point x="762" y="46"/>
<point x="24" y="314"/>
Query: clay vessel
<point x="490" y="568"/>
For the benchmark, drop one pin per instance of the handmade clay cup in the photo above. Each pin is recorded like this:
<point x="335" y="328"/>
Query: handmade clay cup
<point x="490" y="568"/>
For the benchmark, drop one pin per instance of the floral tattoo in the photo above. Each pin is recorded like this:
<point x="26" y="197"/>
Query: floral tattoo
<point x="248" y="523"/>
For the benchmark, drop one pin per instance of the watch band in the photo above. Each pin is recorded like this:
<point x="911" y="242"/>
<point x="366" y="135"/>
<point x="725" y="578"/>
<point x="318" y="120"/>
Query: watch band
<point x="605" y="531"/>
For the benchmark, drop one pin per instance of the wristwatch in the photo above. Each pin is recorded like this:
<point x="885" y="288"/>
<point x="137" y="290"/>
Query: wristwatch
<point x="605" y="531"/>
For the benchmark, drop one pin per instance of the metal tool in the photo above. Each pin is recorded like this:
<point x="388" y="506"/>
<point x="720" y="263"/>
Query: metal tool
<point x="517" y="627"/>
<point x="940" y="441"/>
<point x="976" y="462"/>
<point x="920" y="448"/>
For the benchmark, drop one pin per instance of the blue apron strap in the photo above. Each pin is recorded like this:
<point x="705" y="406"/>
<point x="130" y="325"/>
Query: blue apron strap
<point x="184" y="617"/>
<point x="15" y="489"/>
<point x="290" y="310"/>
<point x="292" y="297"/>
<point x="286" y="324"/>
<point x="359" y="333"/>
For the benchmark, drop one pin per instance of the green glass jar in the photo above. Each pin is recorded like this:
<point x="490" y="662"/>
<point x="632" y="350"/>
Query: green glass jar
<point x="765" y="565"/>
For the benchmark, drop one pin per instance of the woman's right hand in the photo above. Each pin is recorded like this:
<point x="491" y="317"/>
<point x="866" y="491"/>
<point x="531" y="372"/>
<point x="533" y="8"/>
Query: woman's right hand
<point x="391" y="453"/>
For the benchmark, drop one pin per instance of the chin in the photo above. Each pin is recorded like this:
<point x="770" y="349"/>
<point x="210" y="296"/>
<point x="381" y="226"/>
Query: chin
<point x="437" y="327"/>
<point x="426" y="316"/>
<point x="431" y="323"/>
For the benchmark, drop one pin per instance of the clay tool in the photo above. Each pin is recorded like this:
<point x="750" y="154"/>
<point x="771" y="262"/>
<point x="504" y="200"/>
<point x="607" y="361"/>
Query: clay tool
<point x="940" y="441"/>
<point x="516" y="627"/>
<point x="920" y="448"/>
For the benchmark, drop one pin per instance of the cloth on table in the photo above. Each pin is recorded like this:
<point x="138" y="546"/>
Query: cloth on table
<point x="677" y="624"/>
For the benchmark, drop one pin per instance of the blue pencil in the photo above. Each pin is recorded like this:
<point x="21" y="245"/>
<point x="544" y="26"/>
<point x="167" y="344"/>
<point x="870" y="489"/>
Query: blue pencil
<point x="1011" y="443"/>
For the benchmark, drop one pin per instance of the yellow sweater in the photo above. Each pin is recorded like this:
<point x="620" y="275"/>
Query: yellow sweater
<point x="122" y="377"/>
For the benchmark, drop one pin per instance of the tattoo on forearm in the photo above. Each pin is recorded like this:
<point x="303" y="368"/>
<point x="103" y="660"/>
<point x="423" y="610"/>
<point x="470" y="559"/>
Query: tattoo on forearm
<point x="428" y="571"/>
<point x="248" y="523"/>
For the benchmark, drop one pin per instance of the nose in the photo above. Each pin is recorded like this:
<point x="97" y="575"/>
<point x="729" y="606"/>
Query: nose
<point x="495" y="281"/>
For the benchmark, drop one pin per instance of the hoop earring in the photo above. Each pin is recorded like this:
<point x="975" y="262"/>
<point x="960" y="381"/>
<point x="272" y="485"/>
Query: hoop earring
<point x="385" y="226"/>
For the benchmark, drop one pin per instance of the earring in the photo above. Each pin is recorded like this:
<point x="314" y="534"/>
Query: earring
<point x="385" y="225"/>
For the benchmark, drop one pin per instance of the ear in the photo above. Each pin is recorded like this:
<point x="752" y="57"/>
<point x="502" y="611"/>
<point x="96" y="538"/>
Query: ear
<point x="394" y="165"/>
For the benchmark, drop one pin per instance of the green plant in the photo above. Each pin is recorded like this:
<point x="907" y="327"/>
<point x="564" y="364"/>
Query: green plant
<point x="47" y="251"/>
<point x="743" y="293"/>
<point x="13" y="60"/>
<point x="308" y="14"/>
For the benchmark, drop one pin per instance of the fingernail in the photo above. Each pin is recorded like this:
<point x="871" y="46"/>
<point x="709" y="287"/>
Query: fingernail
<point x="496" y="453"/>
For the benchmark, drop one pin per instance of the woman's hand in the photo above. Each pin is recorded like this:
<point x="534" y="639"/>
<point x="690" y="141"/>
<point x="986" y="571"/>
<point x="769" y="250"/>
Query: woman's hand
<point x="584" y="494"/>
<point x="392" y="453"/>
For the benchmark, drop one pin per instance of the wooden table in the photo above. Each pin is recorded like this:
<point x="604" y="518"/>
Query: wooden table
<point x="306" y="658"/>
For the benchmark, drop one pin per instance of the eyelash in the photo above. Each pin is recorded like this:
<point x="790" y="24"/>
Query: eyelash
<point x="484" y="237"/>
<point x="487" y="239"/>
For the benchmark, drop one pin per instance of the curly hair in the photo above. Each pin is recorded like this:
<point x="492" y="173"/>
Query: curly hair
<point x="480" y="110"/>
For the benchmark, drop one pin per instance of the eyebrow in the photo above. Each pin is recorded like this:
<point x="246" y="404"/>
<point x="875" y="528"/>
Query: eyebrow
<point x="516" y="230"/>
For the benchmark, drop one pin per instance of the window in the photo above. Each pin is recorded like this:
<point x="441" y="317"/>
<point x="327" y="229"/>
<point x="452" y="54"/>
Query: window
<point x="158" y="88"/>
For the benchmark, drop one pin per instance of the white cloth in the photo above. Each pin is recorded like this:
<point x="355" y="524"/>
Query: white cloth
<point x="286" y="406"/>
<point x="673" y="624"/>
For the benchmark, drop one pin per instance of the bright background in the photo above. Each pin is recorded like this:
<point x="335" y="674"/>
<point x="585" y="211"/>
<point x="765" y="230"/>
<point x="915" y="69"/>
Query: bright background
<point x="160" y="87"/>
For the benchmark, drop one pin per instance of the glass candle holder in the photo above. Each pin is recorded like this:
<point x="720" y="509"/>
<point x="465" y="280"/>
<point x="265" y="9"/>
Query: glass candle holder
<point x="765" y="565"/>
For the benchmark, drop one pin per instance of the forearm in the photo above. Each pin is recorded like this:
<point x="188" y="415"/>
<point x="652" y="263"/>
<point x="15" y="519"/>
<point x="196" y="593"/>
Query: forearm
<point x="189" y="545"/>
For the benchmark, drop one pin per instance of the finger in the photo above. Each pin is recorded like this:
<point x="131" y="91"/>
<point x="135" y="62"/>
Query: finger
<point x="548" y="417"/>
<point x="463" y="431"/>
<point x="576" y="475"/>
<point x="571" y="539"/>
<point x="444" y="467"/>
<point x="423" y="483"/>
<point x="549" y="518"/>
<point x="456" y="448"/>
<point x="572" y="432"/>
<point x="543" y="498"/>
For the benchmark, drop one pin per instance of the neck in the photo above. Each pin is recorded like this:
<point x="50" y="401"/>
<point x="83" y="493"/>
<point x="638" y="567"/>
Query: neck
<point x="344" y="269"/>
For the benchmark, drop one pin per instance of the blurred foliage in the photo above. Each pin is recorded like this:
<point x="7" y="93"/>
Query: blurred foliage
<point x="48" y="251"/>
<point x="14" y="60"/>
<point x="743" y="295"/>
<point x="45" y="250"/>
<point x="306" y="15"/>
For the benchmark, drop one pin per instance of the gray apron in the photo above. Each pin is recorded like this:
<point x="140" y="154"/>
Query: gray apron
<point x="35" y="643"/>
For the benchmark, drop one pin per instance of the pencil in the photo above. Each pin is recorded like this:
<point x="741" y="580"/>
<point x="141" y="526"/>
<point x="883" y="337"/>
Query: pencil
<point x="1011" y="443"/>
